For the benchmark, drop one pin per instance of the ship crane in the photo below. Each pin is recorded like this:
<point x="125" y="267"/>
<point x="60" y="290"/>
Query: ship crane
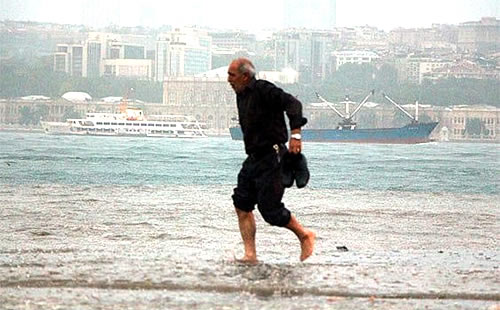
<point x="347" y="122"/>
<point x="414" y="119"/>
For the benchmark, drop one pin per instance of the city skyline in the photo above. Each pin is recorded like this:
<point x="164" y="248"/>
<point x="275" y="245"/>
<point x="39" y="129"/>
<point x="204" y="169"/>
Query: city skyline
<point x="260" y="15"/>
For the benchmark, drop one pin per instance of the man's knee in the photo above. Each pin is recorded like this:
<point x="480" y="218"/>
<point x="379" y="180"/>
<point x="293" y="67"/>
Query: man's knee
<point x="242" y="204"/>
<point x="242" y="214"/>
<point x="278" y="217"/>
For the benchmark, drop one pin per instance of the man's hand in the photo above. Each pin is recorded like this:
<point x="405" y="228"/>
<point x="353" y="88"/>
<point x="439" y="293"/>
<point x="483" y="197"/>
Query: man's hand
<point x="295" y="145"/>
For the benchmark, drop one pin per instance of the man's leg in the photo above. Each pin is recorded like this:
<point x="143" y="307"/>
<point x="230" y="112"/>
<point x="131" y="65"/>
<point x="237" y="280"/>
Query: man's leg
<point x="306" y="237"/>
<point x="246" y="222"/>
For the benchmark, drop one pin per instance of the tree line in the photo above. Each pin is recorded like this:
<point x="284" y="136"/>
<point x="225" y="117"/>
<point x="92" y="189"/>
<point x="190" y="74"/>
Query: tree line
<point x="22" y="77"/>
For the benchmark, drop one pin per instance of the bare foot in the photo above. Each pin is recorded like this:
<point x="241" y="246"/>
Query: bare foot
<point x="307" y="245"/>
<point x="247" y="260"/>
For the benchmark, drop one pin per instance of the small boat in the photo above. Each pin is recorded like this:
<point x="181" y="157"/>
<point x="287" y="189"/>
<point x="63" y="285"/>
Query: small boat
<point x="347" y="132"/>
<point x="130" y="122"/>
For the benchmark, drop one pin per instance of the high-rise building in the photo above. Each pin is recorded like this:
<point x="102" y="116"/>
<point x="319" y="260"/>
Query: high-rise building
<point x="307" y="52"/>
<point x="93" y="53"/>
<point x="161" y="57"/>
<point x="183" y="52"/>
<point x="95" y="56"/>
<point x="310" y="14"/>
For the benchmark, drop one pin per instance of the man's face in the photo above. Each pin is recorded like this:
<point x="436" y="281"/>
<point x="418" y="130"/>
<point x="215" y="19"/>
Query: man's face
<point x="237" y="80"/>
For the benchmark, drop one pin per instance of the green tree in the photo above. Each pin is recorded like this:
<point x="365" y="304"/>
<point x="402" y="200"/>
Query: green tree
<point x="70" y="112"/>
<point x="424" y="118"/>
<point x="26" y="116"/>
<point x="40" y="112"/>
<point x="366" y="119"/>
<point x="474" y="126"/>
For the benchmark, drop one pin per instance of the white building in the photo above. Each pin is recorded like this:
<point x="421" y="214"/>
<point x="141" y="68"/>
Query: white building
<point x="139" y="69"/>
<point x="353" y="57"/>
<point x="285" y="76"/>
<point x="415" y="69"/>
<point x="90" y="58"/>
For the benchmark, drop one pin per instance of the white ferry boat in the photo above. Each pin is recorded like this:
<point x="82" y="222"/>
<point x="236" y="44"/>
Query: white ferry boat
<point x="131" y="122"/>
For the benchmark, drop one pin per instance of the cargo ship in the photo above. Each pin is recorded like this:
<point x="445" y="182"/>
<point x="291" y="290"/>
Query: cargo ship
<point x="347" y="131"/>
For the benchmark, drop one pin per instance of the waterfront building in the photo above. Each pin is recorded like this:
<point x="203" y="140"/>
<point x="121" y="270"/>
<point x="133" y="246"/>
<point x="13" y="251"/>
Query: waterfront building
<point x="188" y="95"/>
<point x="207" y="96"/>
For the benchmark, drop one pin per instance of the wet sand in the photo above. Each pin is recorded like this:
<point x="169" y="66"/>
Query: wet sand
<point x="147" y="247"/>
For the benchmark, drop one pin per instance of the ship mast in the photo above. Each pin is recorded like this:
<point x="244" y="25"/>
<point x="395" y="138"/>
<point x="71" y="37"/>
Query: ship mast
<point x="347" y="122"/>
<point x="414" y="119"/>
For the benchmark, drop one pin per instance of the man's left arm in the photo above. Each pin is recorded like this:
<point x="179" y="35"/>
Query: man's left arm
<point x="293" y="109"/>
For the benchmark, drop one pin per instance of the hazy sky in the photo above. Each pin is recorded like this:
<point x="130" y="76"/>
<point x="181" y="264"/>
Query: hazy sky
<point x="250" y="15"/>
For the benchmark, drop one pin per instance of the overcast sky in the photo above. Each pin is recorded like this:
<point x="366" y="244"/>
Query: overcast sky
<point x="250" y="15"/>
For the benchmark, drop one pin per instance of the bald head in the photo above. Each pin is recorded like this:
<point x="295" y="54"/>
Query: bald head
<point x="240" y="72"/>
<point x="245" y="66"/>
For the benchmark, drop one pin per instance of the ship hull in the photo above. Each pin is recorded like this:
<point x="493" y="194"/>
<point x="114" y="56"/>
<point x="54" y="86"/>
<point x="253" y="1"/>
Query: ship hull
<point x="409" y="134"/>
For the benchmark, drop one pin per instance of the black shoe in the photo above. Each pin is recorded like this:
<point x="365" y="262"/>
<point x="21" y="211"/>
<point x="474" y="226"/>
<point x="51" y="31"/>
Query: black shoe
<point x="287" y="176"/>
<point x="300" y="170"/>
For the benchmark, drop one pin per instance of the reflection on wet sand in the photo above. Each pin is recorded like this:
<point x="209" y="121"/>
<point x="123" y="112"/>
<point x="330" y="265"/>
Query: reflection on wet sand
<point x="163" y="247"/>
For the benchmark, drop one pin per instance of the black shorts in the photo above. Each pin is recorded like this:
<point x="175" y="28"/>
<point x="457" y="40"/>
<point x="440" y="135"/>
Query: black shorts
<point x="259" y="183"/>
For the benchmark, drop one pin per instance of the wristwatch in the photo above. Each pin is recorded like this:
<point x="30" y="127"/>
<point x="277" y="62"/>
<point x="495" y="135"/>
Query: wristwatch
<point x="296" y="136"/>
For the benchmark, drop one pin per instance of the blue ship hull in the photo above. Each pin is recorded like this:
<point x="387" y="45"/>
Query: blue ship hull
<point x="409" y="134"/>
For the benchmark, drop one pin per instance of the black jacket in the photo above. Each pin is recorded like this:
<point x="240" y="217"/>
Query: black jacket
<point x="261" y="108"/>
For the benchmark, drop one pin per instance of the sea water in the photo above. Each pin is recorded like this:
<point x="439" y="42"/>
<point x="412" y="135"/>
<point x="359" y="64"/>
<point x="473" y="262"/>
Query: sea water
<point x="142" y="223"/>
